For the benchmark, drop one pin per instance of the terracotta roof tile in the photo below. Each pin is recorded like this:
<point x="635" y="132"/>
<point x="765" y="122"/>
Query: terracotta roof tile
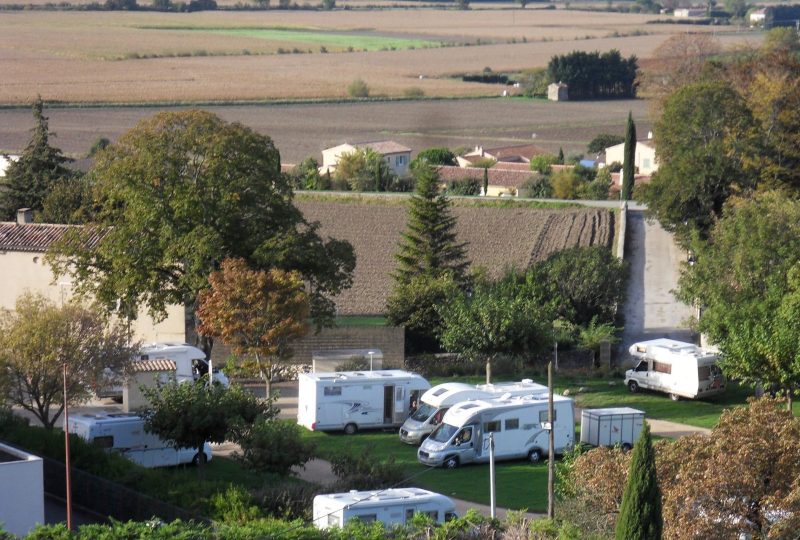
<point x="384" y="147"/>
<point x="157" y="364"/>
<point x="497" y="177"/>
<point x="33" y="236"/>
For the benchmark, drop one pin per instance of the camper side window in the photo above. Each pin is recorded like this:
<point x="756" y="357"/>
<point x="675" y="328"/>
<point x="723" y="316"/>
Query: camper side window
<point x="104" y="442"/>
<point x="512" y="423"/>
<point x="703" y="373"/>
<point x="662" y="367"/>
<point x="333" y="391"/>
<point x="367" y="518"/>
<point x="543" y="416"/>
<point x="333" y="519"/>
<point x="642" y="366"/>
<point x="492" y="427"/>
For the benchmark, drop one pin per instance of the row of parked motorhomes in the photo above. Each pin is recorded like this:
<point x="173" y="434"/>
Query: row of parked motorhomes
<point x="451" y="422"/>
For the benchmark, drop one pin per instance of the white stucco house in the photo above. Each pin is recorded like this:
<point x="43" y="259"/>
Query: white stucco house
<point x="396" y="155"/>
<point x="644" y="158"/>
<point x="22" y="268"/>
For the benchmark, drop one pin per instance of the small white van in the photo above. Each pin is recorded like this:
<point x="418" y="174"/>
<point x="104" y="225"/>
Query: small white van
<point x="124" y="433"/>
<point x="389" y="506"/>
<point x="518" y="424"/>
<point x="436" y="402"/>
<point x="682" y="370"/>
<point x="353" y="400"/>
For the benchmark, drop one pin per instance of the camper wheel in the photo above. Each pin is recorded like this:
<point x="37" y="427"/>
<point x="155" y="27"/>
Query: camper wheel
<point x="350" y="429"/>
<point x="199" y="458"/>
<point x="633" y="386"/>
<point x="451" y="462"/>
<point x="535" y="455"/>
<point x="626" y="447"/>
<point x="674" y="397"/>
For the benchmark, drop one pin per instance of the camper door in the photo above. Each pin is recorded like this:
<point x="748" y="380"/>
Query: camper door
<point x="400" y="411"/>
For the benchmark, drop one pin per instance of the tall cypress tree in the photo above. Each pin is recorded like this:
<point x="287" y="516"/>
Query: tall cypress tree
<point x="629" y="159"/>
<point x="429" y="246"/>
<point x="640" y="515"/>
<point x="29" y="179"/>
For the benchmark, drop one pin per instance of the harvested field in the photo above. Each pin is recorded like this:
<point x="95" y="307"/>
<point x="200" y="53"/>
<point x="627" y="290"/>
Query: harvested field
<point x="212" y="56"/>
<point x="498" y="238"/>
<point x="305" y="130"/>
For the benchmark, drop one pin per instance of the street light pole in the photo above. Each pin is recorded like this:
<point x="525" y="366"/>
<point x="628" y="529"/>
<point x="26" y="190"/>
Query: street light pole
<point x="551" y="462"/>
<point x="66" y="453"/>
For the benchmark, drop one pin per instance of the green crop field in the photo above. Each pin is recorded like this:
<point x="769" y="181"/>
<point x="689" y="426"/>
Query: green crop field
<point x="333" y="41"/>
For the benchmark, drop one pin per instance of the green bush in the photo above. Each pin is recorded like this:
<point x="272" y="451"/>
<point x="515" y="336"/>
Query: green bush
<point x="290" y="501"/>
<point x="465" y="186"/>
<point x="542" y="163"/>
<point x="365" y="471"/>
<point x="274" y="446"/>
<point x="358" y="89"/>
<point x="234" y="505"/>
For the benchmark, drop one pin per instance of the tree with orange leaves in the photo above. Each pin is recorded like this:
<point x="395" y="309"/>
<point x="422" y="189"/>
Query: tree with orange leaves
<point x="256" y="312"/>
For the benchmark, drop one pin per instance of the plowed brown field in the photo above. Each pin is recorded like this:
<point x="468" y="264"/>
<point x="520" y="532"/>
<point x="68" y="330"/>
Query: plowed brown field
<point x="498" y="238"/>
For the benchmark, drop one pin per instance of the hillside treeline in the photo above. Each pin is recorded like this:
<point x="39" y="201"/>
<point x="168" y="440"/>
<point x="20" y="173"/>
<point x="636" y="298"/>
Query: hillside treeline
<point x="595" y="75"/>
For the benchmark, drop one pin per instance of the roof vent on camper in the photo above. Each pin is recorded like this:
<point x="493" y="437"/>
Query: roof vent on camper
<point x="506" y="395"/>
<point x="527" y="381"/>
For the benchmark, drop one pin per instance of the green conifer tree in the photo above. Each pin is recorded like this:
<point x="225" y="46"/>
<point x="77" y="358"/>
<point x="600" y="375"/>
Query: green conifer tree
<point x="29" y="180"/>
<point x="560" y="158"/>
<point x="640" y="514"/>
<point x="485" y="181"/>
<point x="629" y="158"/>
<point x="429" y="245"/>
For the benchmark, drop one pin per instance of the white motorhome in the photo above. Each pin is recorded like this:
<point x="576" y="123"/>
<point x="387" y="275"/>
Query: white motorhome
<point x="436" y="402"/>
<point x="125" y="433"/>
<point x="611" y="426"/>
<point x="518" y="424"/>
<point x="677" y="368"/>
<point x="389" y="506"/>
<point x="353" y="400"/>
<point x="190" y="365"/>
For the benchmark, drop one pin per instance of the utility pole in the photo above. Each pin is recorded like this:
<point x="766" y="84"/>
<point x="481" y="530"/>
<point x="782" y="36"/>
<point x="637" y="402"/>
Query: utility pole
<point x="492" y="503"/>
<point x="551" y="462"/>
<point x="66" y="453"/>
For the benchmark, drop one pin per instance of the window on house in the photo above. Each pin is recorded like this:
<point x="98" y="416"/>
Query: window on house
<point x="646" y="163"/>
<point x="400" y="160"/>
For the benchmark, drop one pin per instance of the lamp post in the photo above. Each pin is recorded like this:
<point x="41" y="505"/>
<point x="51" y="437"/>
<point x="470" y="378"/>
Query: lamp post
<point x="370" y="353"/>
<point x="66" y="453"/>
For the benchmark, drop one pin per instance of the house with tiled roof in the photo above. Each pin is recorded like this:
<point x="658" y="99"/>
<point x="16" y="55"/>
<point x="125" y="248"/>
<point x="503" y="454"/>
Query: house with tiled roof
<point x="644" y="158"/>
<point x="502" y="182"/>
<point x="396" y="155"/>
<point x="520" y="153"/>
<point x="23" y="268"/>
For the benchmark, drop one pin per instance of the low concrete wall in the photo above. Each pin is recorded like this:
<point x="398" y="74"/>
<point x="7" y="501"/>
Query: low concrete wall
<point x="623" y="221"/>
<point x="21" y="491"/>
<point x="390" y="340"/>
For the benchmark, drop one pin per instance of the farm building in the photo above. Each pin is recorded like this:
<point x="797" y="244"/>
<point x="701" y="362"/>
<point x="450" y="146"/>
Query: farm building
<point x="395" y="154"/>
<point x="502" y="181"/>
<point x="521" y="153"/>
<point x="558" y="92"/>
<point x="693" y="12"/>
<point x="23" y="268"/>
<point x="757" y="17"/>
<point x="644" y="158"/>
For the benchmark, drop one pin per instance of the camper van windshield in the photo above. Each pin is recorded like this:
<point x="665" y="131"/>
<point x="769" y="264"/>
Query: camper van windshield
<point x="443" y="433"/>
<point x="423" y="413"/>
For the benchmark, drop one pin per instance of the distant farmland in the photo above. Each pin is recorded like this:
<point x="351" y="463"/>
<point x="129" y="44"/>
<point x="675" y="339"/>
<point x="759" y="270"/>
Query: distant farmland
<point x="498" y="238"/>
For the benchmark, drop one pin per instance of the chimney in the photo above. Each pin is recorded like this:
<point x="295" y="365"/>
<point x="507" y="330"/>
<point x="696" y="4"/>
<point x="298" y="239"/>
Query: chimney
<point x="24" y="216"/>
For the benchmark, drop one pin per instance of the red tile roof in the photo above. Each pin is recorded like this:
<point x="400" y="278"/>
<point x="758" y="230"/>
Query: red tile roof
<point x="497" y="177"/>
<point x="524" y="150"/>
<point x="384" y="147"/>
<point x="34" y="236"/>
<point x="158" y="364"/>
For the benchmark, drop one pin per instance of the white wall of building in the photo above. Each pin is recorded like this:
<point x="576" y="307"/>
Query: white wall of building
<point x="644" y="158"/>
<point x="21" y="492"/>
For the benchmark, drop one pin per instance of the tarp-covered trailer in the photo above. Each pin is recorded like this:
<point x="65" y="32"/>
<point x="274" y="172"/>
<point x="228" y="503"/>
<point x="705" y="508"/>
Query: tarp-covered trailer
<point x="611" y="427"/>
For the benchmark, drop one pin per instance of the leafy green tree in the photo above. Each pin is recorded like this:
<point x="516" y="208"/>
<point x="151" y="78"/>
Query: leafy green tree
<point x="189" y="414"/>
<point x="179" y="193"/>
<point x="560" y="157"/>
<point x="566" y="184"/>
<point x="29" y="179"/>
<point x="589" y="282"/>
<point x="700" y="139"/>
<point x="429" y="245"/>
<point x="503" y="318"/>
<point x="465" y="187"/>
<point x="69" y="201"/>
<point x="640" y="514"/>
<point x="597" y="189"/>
<point x="100" y="144"/>
<point x="364" y="169"/>
<point x="306" y="175"/>
<point x="38" y="338"/>
<point x="592" y="75"/>
<point x="274" y="446"/>
<point x="414" y="305"/>
<point x="602" y="141"/>
<point x="629" y="160"/>
<point x="737" y="8"/>
<point x="435" y="156"/>
<point x="258" y="313"/>
<point x="747" y="278"/>
<point x="543" y="163"/>
<point x="595" y="334"/>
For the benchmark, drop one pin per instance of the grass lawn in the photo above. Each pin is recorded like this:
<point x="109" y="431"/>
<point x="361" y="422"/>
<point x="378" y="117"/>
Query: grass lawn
<point x="519" y="483"/>
<point x="364" y="320"/>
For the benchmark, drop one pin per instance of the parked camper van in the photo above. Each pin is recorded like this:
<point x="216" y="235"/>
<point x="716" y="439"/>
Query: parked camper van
<point x="436" y="401"/>
<point x="190" y="365"/>
<point x="353" y="400"/>
<point x="390" y="506"/>
<point x="125" y="433"/>
<point x="677" y="368"/>
<point x="612" y="426"/>
<point x="518" y="424"/>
